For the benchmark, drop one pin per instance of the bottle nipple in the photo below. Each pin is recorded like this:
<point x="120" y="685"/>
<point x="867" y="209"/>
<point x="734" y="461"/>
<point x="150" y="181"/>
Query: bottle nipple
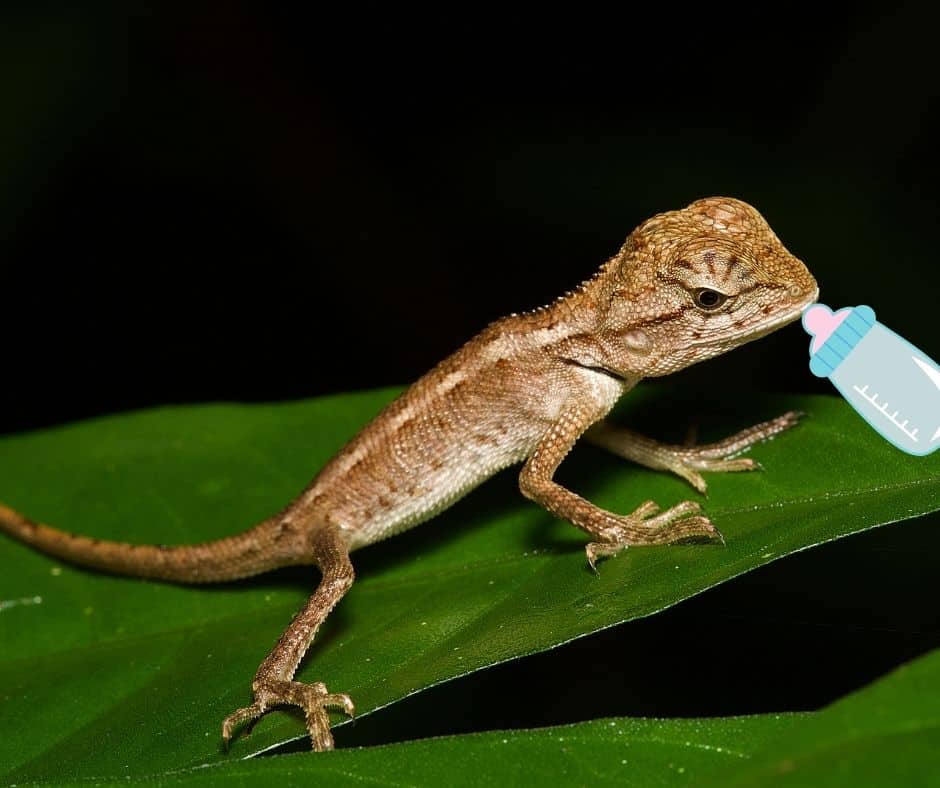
<point x="820" y="322"/>
<point x="835" y="334"/>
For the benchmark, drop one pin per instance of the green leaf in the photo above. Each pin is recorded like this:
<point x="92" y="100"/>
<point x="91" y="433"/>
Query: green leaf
<point x="113" y="677"/>
<point x="611" y="751"/>
<point x="885" y="734"/>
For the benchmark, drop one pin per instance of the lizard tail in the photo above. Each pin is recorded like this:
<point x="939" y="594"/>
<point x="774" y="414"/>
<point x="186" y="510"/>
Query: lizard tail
<point x="259" y="549"/>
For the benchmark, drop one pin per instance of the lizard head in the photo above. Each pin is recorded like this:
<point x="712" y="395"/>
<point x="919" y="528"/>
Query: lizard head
<point x="691" y="284"/>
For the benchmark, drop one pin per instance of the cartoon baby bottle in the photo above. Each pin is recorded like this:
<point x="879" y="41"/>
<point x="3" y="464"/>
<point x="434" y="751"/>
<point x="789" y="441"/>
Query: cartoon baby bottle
<point x="891" y="383"/>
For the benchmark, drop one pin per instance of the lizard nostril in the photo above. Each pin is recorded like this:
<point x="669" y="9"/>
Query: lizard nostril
<point x="795" y="291"/>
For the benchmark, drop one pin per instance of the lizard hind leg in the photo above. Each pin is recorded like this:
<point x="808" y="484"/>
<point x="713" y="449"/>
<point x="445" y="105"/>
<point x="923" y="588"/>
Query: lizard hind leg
<point x="273" y="684"/>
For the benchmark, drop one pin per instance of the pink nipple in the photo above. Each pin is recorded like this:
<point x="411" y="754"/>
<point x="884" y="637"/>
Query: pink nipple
<point x="820" y="321"/>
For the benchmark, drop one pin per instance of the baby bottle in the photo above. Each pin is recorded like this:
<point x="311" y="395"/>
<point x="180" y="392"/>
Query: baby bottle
<point x="891" y="383"/>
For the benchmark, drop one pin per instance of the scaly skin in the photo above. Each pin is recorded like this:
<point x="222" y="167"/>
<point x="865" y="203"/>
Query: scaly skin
<point x="685" y="286"/>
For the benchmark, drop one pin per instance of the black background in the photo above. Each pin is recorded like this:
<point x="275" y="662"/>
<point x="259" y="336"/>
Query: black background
<point x="229" y="203"/>
<point x="236" y="203"/>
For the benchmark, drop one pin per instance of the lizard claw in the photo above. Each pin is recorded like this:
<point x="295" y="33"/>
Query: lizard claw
<point x="596" y="550"/>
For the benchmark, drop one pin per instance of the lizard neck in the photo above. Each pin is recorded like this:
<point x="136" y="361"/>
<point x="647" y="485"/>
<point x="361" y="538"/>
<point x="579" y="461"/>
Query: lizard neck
<point x="577" y="328"/>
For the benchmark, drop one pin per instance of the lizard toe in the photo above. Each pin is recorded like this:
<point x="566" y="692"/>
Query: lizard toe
<point x="236" y="718"/>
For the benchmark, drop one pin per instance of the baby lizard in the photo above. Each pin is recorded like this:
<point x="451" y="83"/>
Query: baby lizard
<point x="685" y="286"/>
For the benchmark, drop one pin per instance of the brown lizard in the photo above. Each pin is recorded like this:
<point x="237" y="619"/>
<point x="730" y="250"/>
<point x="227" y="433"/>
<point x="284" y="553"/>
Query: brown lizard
<point x="685" y="286"/>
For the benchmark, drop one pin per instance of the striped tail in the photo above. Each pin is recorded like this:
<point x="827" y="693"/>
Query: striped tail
<point x="259" y="549"/>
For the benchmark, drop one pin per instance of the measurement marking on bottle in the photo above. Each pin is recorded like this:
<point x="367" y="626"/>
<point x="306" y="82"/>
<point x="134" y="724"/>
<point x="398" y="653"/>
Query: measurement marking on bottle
<point x="883" y="407"/>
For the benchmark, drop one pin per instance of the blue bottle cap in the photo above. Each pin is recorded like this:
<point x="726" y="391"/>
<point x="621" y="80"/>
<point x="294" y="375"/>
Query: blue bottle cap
<point x="840" y="342"/>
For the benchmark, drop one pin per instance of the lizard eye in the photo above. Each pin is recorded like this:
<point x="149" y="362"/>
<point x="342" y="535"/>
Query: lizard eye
<point x="708" y="299"/>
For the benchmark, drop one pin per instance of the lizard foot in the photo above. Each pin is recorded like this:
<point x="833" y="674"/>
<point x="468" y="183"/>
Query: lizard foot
<point x="314" y="699"/>
<point x="687" y="460"/>
<point x="645" y="526"/>
<point x="721" y="456"/>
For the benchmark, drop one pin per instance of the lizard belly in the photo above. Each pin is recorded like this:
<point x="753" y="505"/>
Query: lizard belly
<point x="429" y="489"/>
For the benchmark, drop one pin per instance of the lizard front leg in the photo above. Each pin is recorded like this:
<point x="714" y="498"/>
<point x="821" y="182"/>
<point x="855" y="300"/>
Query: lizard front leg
<point x="273" y="684"/>
<point x="612" y="532"/>
<point x="687" y="461"/>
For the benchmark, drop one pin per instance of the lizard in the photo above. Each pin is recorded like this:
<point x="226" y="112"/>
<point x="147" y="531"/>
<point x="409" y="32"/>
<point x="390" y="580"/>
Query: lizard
<point x="685" y="286"/>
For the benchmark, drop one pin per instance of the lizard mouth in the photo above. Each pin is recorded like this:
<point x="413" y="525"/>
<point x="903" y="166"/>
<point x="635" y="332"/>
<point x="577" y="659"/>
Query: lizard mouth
<point x="773" y="325"/>
<point x="787" y="317"/>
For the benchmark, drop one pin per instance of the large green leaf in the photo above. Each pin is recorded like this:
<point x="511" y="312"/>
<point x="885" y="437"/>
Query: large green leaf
<point x="631" y="752"/>
<point x="105" y="676"/>
<point x="885" y="734"/>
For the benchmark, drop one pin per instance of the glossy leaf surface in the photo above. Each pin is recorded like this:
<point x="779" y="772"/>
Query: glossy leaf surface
<point x="112" y="677"/>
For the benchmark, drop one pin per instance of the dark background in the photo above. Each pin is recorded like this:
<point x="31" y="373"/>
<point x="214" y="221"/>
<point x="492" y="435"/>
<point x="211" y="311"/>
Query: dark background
<point x="232" y="203"/>
<point x="237" y="203"/>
